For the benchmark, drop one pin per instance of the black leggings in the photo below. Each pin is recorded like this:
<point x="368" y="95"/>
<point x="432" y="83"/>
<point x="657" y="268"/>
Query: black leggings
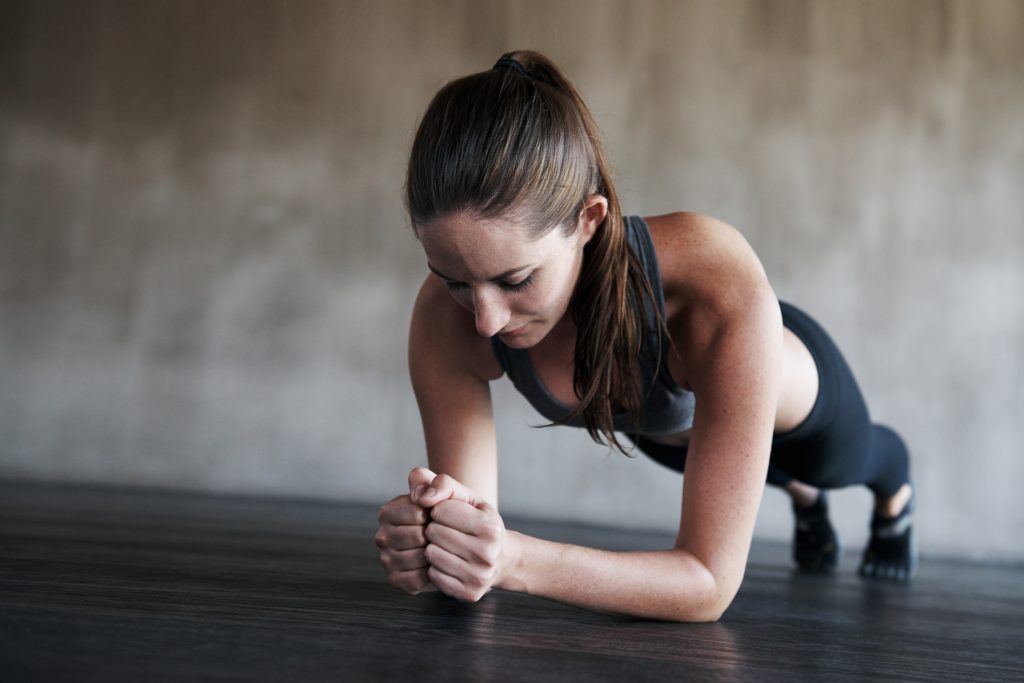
<point x="837" y="445"/>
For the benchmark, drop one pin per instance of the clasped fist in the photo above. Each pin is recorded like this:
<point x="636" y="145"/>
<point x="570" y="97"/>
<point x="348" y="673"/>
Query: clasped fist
<point x="442" y="536"/>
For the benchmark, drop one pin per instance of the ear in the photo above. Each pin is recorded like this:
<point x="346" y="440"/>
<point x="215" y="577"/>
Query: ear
<point x="595" y="210"/>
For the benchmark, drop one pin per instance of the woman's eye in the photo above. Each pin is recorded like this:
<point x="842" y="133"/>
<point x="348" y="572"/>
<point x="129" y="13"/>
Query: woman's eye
<point x="519" y="286"/>
<point x="454" y="286"/>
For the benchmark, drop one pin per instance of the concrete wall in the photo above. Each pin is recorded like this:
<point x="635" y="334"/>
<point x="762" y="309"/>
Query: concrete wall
<point x="206" y="275"/>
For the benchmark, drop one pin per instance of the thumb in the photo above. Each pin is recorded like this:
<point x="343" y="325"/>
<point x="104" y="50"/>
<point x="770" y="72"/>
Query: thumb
<point x="419" y="480"/>
<point x="444" y="487"/>
<point x="482" y="504"/>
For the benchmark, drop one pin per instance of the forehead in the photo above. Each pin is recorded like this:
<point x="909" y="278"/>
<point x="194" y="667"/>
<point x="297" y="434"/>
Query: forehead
<point x="466" y="247"/>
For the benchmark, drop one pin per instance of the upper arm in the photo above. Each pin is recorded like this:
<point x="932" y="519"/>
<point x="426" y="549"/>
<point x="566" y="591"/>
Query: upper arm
<point x="450" y="366"/>
<point x="729" y="337"/>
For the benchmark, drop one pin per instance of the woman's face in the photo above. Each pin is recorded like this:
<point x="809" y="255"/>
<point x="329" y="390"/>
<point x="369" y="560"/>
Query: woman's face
<point x="516" y="288"/>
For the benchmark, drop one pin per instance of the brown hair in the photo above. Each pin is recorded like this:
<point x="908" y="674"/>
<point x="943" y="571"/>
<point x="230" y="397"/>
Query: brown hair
<point x="521" y="144"/>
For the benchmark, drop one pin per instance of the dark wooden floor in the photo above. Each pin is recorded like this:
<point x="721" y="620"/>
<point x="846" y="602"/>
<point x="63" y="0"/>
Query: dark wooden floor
<point x="136" y="585"/>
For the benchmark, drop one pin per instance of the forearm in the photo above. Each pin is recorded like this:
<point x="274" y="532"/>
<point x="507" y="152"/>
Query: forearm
<point x="479" y="474"/>
<point x="662" y="584"/>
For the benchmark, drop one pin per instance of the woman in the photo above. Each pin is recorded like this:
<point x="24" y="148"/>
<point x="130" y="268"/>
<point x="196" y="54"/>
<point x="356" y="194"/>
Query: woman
<point x="663" y="329"/>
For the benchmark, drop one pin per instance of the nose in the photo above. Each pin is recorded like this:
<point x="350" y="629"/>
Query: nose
<point x="492" y="314"/>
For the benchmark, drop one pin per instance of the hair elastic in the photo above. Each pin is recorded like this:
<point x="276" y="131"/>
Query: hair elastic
<point x="509" y="62"/>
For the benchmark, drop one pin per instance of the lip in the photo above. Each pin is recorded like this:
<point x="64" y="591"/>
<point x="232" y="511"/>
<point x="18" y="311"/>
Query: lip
<point x="513" y="333"/>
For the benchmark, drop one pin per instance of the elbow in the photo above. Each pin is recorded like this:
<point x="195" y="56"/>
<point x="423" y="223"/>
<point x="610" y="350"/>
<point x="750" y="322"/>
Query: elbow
<point x="708" y="613"/>
<point x="715" y="612"/>
<point x="724" y="593"/>
<point x="705" y="599"/>
<point x="699" y="614"/>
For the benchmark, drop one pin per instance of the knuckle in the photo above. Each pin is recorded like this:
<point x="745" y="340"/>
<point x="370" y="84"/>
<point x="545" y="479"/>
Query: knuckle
<point x="487" y="557"/>
<point x="482" y="578"/>
<point x="492" y="528"/>
<point x="386" y="510"/>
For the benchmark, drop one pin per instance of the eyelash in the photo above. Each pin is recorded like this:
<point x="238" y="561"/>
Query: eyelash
<point x="517" y="287"/>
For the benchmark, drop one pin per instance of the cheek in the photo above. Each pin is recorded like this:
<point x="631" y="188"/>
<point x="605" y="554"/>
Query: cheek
<point x="564" y="288"/>
<point x="535" y="303"/>
<point x="548" y="299"/>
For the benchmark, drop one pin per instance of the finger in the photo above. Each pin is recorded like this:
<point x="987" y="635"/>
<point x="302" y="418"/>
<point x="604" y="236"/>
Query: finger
<point x="413" y="582"/>
<point x="445" y="487"/>
<point x="400" y="537"/>
<point x="464" y="517"/>
<point x="400" y="510"/>
<point x="446" y="584"/>
<point x="448" y="562"/>
<point x="419" y="480"/>
<point x="471" y="549"/>
<point x="404" y="560"/>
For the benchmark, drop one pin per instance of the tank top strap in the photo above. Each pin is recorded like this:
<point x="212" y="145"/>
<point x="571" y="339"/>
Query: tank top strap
<point x="668" y="408"/>
<point x="639" y="236"/>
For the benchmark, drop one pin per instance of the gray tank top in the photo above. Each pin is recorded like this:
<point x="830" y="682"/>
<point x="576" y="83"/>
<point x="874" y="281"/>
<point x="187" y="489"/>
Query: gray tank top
<point x="668" y="408"/>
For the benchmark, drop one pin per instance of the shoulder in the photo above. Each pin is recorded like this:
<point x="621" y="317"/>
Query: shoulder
<point x="443" y="337"/>
<point x="712" y="280"/>
<point x="702" y="260"/>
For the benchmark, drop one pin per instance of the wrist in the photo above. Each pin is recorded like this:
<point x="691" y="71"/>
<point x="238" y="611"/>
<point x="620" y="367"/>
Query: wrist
<point x="511" y="578"/>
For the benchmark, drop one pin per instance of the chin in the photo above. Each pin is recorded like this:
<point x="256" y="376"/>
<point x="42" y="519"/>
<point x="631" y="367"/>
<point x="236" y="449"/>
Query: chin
<point x="522" y="341"/>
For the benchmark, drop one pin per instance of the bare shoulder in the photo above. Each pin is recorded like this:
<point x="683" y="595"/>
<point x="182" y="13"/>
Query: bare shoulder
<point x="443" y="336"/>
<point x="703" y="261"/>
<point x="712" y="281"/>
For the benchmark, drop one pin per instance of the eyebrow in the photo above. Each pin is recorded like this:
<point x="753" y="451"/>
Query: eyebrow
<point x="496" y="278"/>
